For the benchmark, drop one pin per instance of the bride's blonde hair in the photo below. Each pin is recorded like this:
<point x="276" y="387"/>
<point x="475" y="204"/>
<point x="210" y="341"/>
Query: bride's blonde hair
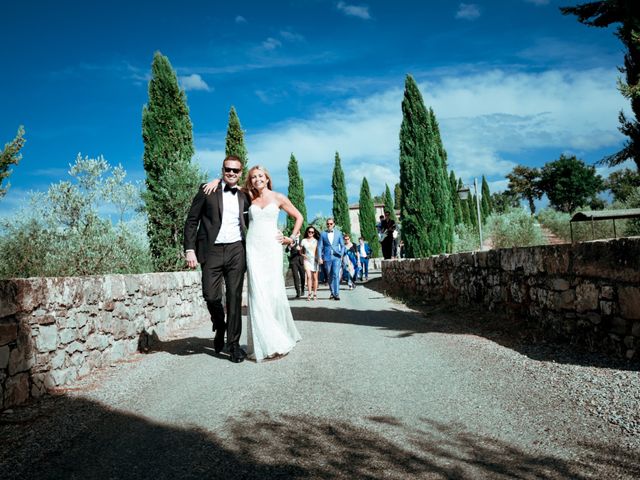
<point x="253" y="193"/>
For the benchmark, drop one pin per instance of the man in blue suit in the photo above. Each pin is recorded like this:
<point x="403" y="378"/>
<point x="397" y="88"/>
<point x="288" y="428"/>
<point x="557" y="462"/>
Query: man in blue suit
<point x="331" y="247"/>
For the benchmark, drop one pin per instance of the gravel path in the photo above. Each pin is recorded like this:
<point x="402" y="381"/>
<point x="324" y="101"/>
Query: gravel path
<point x="374" y="390"/>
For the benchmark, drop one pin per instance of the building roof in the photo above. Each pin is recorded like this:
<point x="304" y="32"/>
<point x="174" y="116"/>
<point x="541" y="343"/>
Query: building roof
<point x="606" y="215"/>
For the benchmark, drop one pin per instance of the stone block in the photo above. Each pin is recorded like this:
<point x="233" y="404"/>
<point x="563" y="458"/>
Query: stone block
<point x="16" y="390"/>
<point x="4" y="356"/>
<point x="21" y="359"/>
<point x="57" y="360"/>
<point x="607" y="307"/>
<point x="97" y="341"/>
<point x="75" y="347"/>
<point x="566" y="300"/>
<point x="45" y="319"/>
<point x="559" y="284"/>
<point x="67" y="335"/>
<point x="629" y="341"/>
<point x="629" y="301"/>
<point x="618" y="326"/>
<point x="606" y="292"/>
<point x="586" y="297"/>
<point x="9" y="304"/>
<point x="593" y="318"/>
<point x="635" y="329"/>
<point x="8" y="333"/>
<point x="47" y="339"/>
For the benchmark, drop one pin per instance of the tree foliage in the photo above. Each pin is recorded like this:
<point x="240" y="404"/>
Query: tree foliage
<point x="525" y="183"/>
<point x="504" y="201"/>
<point x="367" y="217"/>
<point x="622" y="183"/>
<point x="485" y="204"/>
<point x="455" y="199"/>
<point x="438" y="178"/>
<point x="569" y="183"/>
<point x="62" y="233"/>
<point x="389" y="204"/>
<point x="234" y="142"/>
<point x="416" y="205"/>
<point x="10" y="155"/>
<point x="295" y="194"/>
<point x="397" y="196"/>
<point x="171" y="178"/>
<point x="340" y="202"/>
<point x="627" y="13"/>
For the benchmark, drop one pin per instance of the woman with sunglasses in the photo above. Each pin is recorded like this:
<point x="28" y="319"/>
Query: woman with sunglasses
<point x="271" y="332"/>
<point x="309" y="246"/>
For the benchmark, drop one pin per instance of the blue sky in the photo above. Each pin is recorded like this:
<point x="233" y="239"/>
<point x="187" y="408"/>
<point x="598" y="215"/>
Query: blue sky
<point x="510" y="81"/>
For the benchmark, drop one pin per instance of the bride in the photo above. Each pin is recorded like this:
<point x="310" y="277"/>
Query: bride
<point x="271" y="331"/>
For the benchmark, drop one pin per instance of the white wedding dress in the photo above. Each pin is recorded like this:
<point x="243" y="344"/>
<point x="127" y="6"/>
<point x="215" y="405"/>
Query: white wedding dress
<point x="270" y="327"/>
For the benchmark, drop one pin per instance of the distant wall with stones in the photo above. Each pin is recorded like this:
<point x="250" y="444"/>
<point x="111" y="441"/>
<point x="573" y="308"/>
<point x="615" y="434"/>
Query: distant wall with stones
<point x="586" y="293"/>
<point x="55" y="330"/>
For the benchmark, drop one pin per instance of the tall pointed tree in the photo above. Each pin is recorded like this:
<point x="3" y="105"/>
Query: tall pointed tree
<point x="367" y="217"/>
<point x="234" y="142"/>
<point x="455" y="199"/>
<point x="295" y="194"/>
<point x="441" y="190"/>
<point x="416" y="207"/>
<point x="485" y="204"/>
<point x="397" y="195"/>
<point x="340" y="201"/>
<point x="171" y="178"/>
<point x="10" y="155"/>
<point x="627" y="13"/>
<point x="473" y="210"/>
<point x="388" y="203"/>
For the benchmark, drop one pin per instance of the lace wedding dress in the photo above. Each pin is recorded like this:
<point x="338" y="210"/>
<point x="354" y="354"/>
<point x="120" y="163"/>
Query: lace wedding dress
<point x="270" y="327"/>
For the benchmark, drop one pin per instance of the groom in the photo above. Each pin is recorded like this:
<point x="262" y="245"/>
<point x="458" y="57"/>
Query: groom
<point x="214" y="236"/>
<point x="331" y="248"/>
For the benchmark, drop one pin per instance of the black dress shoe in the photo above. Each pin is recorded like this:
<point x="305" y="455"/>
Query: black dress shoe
<point x="237" y="355"/>
<point x="218" y="342"/>
<point x="336" y="298"/>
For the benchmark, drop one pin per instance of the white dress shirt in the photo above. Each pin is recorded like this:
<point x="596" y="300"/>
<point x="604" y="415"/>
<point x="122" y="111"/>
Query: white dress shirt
<point x="230" y="227"/>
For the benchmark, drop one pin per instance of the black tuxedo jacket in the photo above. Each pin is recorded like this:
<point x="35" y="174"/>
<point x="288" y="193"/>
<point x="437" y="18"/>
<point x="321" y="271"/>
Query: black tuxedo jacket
<point x="205" y="218"/>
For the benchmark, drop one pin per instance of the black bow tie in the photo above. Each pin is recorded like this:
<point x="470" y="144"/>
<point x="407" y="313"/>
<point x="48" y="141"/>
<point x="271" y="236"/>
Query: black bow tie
<point x="229" y="188"/>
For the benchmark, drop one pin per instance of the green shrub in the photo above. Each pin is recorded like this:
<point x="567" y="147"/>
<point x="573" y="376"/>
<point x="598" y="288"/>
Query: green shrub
<point x="62" y="234"/>
<point x="515" y="228"/>
<point x="558" y="223"/>
<point x="632" y="227"/>
<point x="465" y="238"/>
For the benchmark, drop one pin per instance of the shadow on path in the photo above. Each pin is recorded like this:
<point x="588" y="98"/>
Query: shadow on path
<point x="74" y="438"/>
<point x="468" y="320"/>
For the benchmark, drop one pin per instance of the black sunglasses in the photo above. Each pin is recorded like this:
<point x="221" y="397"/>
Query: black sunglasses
<point x="234" y="170"/>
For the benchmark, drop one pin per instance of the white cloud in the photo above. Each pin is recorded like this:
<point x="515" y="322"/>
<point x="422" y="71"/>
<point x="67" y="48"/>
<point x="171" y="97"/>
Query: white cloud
<point x="354" y="10"/>
<point x="240" y="19"/>
<point x="194" y="82"/>
<point x="290" y="36"/>
<point x="538" y="2"/>
<point x="271" y="43"/>
<point x="489" y="123"/>
<point x="468" y="11"/>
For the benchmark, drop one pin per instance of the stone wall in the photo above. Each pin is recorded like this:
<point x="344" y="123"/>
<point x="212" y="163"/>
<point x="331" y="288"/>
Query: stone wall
<point x="586" y="293"/>
<point x="55" y="330"/>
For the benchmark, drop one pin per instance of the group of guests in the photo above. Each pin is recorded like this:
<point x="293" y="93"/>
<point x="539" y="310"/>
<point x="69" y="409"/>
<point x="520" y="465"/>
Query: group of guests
<point x="330" y="257"/>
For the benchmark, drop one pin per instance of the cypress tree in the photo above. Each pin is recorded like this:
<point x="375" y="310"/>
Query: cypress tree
<point x="397" y="195"/>
<point x="340" y="202"/>
<point x="416" y="207"/>
<point x="438" y="177"/>
<point x="295" y="194"/>
<point x="388" y="204"/>
<point x="234" y="142"/>
<point x="171" y="178"/>
<point x="10" y="155"/>
<point x="473" y="209"/>
<point x="455" y="199"/>
<point x="485" y="203"/>
<point x="367" y="217"/>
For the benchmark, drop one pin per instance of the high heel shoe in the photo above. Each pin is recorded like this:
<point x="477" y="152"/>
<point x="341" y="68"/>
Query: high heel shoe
<point x="308" y="297"/>
<point x="315" y="296"/>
